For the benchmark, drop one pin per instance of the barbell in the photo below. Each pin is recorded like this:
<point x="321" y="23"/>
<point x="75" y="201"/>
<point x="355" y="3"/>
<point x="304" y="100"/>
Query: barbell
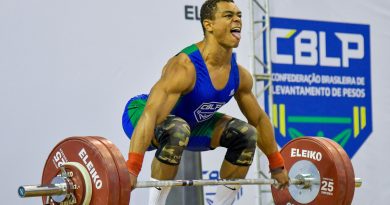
<point x="91" y="170"/>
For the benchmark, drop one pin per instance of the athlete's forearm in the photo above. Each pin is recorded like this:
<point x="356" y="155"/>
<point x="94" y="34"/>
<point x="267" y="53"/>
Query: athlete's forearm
<point x="144" y="130"/>
<point x="143" y="133"/>
<point x="266" y="142"/>
<point x="140" y="141"/>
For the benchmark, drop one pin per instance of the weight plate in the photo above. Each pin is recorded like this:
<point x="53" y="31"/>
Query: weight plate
<point x="328" y="163"/>
<point x="98" y="161"/>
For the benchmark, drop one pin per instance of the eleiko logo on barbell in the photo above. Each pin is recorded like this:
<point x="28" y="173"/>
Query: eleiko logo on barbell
<point x="314" y="155"/>
<point x="92" y="171"/>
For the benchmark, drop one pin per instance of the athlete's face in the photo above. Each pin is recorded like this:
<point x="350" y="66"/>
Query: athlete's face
<point x="226" y="26"/>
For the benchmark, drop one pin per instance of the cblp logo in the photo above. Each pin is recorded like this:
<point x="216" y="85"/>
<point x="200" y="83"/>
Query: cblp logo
<point x="310" y="47"/>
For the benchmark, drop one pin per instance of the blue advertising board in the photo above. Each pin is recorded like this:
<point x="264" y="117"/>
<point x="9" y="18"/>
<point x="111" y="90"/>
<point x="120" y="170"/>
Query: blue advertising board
<point x="321" y="81"/>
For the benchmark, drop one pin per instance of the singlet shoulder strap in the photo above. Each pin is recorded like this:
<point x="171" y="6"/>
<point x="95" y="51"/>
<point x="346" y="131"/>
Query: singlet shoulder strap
<point x="190" y="49"/>
<point x="236" y="72"/>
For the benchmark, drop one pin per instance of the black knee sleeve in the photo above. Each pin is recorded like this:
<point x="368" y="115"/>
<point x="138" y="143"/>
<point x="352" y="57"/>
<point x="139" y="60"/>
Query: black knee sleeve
<point x="173" y="135"/>
<point x="240" y="139"/>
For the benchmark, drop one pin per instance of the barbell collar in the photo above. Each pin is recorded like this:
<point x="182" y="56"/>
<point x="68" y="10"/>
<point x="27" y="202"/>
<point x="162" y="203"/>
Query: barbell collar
<point x="42" y="190"/>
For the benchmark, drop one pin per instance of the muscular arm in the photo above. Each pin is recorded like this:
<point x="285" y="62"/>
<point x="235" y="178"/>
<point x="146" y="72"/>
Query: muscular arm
<point x="256" y="116"/>
<point x="178" y="77"/>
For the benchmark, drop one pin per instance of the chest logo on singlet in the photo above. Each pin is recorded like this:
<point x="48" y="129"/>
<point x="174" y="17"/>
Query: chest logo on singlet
<point x="207" y="110"/>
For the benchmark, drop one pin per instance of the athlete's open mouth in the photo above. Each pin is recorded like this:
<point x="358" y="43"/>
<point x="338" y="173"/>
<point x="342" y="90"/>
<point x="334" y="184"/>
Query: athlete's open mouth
<point x="236" y="32"/>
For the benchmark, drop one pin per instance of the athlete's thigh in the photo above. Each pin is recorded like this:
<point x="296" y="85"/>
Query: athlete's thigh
<point x="220" y="126"/>
<point x="131" y="115"/>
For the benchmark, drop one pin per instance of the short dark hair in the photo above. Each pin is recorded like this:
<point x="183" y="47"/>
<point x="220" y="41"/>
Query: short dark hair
<point x="208" y="10"/>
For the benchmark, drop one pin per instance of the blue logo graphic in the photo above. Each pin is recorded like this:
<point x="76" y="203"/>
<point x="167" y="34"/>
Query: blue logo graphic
<point x="207" y="110"/>
<point x="321" y="81"/>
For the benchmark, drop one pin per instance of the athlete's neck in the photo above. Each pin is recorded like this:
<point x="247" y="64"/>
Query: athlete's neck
<point x="215" y="54"/>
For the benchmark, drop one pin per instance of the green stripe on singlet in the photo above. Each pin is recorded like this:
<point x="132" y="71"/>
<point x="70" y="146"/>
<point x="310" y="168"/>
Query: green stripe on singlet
<point x="137" y="107"/>
<point x="190" y="49"/>
<point x="206" y="128"/>
<point x="135" y="110"/>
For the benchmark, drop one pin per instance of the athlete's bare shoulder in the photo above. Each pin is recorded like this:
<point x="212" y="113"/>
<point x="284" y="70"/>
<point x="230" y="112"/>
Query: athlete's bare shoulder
<point x="179" y="63"/>
<point x="246" y="80"/>
<point x="180" y="70"/>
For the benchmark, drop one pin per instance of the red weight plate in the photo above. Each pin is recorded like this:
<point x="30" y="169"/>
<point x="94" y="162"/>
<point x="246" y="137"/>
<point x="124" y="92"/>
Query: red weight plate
<point x="350" y="174"/>
<point x="328" y="163"/>
<point x="96" y="158"/>
<point x="340" y="166"/>
<point x="124" y="178"/>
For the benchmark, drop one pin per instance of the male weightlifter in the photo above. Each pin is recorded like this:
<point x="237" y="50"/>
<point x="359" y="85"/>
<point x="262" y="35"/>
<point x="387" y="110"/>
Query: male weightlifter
<point x="180" y="111"/>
